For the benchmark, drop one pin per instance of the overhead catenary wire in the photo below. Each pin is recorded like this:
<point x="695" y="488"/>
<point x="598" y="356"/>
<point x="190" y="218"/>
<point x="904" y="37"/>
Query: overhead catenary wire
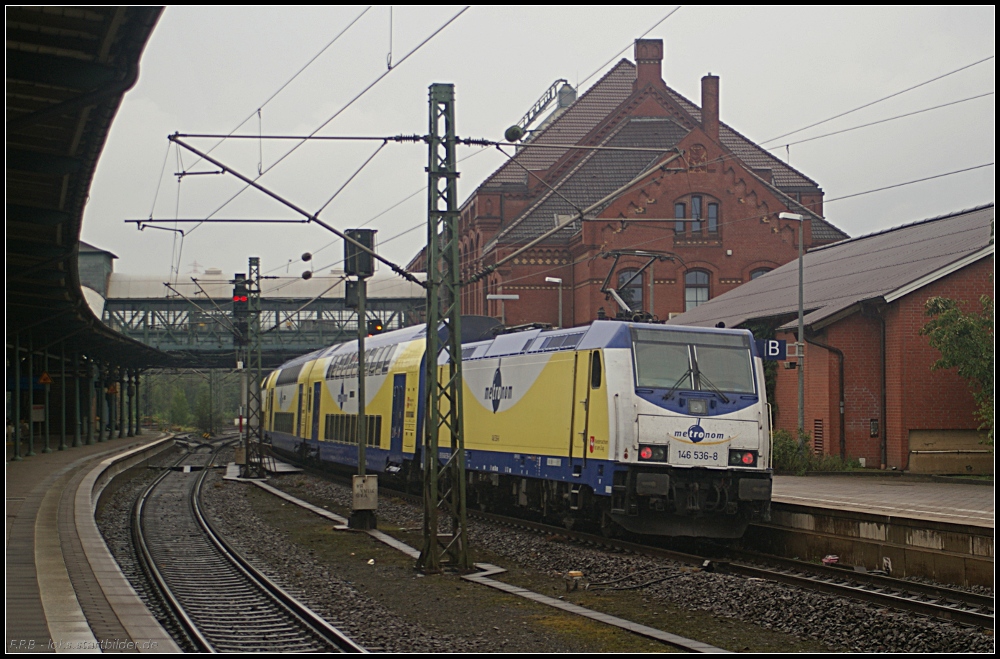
<point x="288" y="82"/>
<point x="380" y="214"/>
<point x="880" y="121"/>
<point x="351" y="178"/>
<point x="336" y="114"/>
<point x="311" y="217"/>
<point x="654" y="26"/>
<point x="878" y="100"/>
<point x="419" y="191"/>
<point x="561" y="146"/>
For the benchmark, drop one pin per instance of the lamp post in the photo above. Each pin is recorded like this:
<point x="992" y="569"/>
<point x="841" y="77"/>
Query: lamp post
<point x="801" y="338"/>
<point x="503" y="310"/>
<point x="557" y="280"/>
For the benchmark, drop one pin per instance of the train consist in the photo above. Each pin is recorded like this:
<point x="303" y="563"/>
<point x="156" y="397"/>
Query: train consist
<point x="661" y="430"/>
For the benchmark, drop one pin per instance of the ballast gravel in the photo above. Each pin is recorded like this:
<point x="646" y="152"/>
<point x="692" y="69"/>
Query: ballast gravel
<point x="839" y="623"/>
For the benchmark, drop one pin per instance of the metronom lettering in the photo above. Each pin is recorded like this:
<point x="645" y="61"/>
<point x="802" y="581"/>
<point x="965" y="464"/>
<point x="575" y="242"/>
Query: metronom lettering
<point x="499" y="393"/>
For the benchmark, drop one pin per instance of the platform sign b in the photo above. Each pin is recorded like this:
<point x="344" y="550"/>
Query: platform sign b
<point x="772" y="349"/>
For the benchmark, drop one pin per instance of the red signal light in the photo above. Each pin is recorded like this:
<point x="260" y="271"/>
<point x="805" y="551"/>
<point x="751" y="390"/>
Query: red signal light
<point x="646" y="453"/>
<point x="748" y="458"/>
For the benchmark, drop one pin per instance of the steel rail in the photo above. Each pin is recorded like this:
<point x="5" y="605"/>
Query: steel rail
<point x="950" y="604"/>
<point x="307" y="616"/>
<point x="286" y="623"/>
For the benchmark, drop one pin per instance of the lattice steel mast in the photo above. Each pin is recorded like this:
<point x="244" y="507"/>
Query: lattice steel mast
<point x="444" y="485"/>
<point x="252" y="363"/>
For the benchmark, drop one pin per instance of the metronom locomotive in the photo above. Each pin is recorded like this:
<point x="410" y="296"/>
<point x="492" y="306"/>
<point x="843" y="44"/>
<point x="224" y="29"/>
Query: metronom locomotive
<point x="661" y="430"/>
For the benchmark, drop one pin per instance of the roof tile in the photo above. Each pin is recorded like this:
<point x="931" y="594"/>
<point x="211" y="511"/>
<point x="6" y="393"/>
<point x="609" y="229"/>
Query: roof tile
<point x="840" y="275"/>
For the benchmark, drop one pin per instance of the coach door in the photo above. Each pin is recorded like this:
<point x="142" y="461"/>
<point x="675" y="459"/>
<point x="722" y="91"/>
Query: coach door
<point x="398" y="409"/>
<point x="298" y="417"/>
<point x="581" y="409"/>
<point x="317" y="390"/>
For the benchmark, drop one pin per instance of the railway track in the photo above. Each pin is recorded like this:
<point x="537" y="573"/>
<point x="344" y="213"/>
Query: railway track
<point x="933" y="601"/>
<point x="221" y="602"/>
<point x="923" y="599"/>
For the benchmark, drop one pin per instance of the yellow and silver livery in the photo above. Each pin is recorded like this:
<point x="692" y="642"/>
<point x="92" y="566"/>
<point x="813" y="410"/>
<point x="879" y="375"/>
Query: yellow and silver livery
<point x="658" y="429"/>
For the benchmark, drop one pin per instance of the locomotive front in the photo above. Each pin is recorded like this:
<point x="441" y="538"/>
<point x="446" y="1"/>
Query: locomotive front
<point x="698" y="463"/>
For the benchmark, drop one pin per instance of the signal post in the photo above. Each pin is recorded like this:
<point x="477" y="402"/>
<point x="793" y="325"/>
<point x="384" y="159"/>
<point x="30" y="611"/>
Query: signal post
<point x="359" y="263"/>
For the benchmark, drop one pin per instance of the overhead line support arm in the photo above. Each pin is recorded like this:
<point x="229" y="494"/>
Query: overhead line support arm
<point x="309" y="216"/>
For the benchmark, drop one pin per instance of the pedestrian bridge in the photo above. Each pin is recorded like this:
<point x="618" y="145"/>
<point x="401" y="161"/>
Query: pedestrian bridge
<point x="191" y="319"/>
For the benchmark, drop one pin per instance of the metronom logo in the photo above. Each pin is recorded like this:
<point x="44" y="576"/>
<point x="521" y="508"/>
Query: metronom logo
<point x="498" y="391"/>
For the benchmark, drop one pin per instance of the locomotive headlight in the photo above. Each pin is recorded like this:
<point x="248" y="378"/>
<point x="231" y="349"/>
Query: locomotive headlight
<point x="697" y="406"/>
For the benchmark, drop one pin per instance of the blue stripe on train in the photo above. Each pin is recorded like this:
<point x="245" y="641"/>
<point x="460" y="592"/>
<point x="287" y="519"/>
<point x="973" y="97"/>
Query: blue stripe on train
<point x="597" y="473"/>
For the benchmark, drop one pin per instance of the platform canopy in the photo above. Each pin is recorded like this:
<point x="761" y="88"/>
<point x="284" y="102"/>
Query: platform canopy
<point x="67" y="71"/>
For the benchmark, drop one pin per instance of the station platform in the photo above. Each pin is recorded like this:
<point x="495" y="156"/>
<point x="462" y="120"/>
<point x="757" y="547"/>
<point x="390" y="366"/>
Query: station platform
<point x="897" y="496"/>
<point x="902" y="524"/>
<point x="64" y="592"/>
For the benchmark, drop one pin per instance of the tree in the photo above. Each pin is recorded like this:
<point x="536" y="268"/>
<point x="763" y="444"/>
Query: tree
<point x="180" y="411"/>
<point x="965" y="341"/>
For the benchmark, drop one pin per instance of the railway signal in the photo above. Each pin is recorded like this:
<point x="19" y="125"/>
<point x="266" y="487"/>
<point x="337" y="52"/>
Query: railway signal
<point x="241" y="310"/>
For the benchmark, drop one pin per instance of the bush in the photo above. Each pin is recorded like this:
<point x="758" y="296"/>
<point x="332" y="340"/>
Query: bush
<point x="795" y="457"/>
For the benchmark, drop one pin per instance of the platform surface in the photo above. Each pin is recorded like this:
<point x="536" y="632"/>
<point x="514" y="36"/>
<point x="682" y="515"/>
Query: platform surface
<point x="896" y="496"/>
<point x="53" y="600"/>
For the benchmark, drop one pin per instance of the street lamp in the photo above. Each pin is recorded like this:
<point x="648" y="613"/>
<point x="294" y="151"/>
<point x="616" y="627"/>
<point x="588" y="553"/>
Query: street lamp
<point x="801" y="340"/>
<point x="557" y="280"/>
<point x="502" y="298"/>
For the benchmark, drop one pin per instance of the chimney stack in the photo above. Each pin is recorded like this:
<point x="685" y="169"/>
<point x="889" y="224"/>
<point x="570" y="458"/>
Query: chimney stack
<point x="710" y="105"/>
<point x="649" y="63"/>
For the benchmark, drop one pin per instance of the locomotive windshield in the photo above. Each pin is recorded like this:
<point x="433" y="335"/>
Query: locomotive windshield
<point x="693" y="361"/>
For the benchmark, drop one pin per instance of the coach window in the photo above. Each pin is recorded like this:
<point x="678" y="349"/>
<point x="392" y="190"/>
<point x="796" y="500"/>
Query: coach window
<point x="632" y="293"/>
<point x="595" y="370"/>
<point x="695" y="289"/>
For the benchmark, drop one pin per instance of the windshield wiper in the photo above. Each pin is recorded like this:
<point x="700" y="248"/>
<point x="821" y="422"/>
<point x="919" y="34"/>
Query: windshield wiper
<point x="703" y="378"/>
<point x="677" y="384"/>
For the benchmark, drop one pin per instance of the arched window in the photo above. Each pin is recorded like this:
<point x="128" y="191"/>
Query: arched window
<point x="695" y="289"/>
<point x="699" y="212"/>
<point x="758" y="272"/>
<point x="631" y="294"/>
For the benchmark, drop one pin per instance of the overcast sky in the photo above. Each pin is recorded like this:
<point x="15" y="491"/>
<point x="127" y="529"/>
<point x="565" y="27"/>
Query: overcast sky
<point x="207" y="69"/>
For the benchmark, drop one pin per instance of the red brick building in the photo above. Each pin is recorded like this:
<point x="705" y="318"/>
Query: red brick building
<point x="667" y="177"/>
<point x="864" y="308"/>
